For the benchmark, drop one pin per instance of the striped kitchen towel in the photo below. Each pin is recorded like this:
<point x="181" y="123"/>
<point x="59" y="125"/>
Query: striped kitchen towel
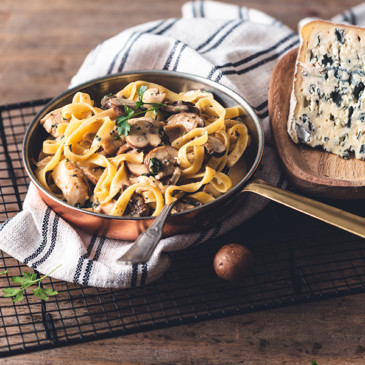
<point x="235" y="46"/>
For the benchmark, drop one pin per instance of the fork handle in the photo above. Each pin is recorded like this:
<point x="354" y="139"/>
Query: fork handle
<point x="142" y="248"/>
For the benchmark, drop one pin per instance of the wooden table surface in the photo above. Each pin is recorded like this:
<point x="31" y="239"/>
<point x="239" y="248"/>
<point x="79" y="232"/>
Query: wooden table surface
<point x="42" y="44"/>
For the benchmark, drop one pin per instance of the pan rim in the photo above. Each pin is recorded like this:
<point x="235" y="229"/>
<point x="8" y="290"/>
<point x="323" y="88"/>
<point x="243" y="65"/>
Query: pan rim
<point x="181" y="75"/>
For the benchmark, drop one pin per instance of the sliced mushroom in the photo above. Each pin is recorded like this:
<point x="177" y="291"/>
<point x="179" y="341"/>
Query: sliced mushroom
<point x="118" y="104"/>
<point x="144" y="132"/>
<point x="51" y="121"/>
<point x="123" y="149"/>
<point x="72" y="182"/>
<point x="153" y="96"/>
<point x="174" y="131"/>
<point x="174" y="107"/>
<point x="137" y="207"/>
<point x="162" y="162"/>
<point x="189" y="121"/>
<point x="182" y="205"/>
<point x="215" y="147"/>
<point x="137" y="169"/>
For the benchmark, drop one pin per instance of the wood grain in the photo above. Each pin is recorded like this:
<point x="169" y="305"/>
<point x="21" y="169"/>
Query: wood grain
<point x="312" y="170"/>
<point x="42" y="44"/>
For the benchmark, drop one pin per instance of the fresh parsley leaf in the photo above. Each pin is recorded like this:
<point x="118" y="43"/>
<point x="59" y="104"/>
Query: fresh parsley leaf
<point x="123" y="125"/>
<point x="141" y="91"/>
<point x="19" y="297"/>
<point x="26" y="280"/>
<point x="3" y="272"/>
<point x="43" y="293"/>
<point x="11" y="292"/>
<point x="122" y="120"/>
<point x="315" y="362"/>
<point x="154" y="165"/>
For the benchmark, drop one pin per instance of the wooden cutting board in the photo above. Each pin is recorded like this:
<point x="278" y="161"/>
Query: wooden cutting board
<point x="313" y="171"/>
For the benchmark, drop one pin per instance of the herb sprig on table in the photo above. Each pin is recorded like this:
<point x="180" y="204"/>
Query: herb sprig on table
<point x="25" y="281"/>
<point x="122" y="120"/>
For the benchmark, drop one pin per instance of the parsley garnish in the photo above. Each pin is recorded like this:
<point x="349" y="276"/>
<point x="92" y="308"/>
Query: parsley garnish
<point x="122" y="120"/>
<point x="154" y="165"/>
<point x="25" y="281"/>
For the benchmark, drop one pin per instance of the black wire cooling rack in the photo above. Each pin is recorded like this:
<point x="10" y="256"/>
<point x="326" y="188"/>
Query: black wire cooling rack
<point x="297" y="259"/>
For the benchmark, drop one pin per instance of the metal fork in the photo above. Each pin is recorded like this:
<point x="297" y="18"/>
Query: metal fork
<point x="143" y="247"/>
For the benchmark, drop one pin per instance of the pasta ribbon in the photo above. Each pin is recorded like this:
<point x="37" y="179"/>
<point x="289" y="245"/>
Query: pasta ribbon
<point x="115" y="177"/>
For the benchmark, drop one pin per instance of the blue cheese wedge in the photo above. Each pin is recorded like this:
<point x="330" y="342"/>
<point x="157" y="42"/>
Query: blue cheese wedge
<point x="327" y="107"/>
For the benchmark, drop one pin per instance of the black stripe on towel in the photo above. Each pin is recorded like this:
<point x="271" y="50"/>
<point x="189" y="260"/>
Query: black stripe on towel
<point x="134" y="275"/>
<point x="248" y="59"/>
<point x="53" y="242"/>
<point x="163" y="30"/>
<point x="223" y="37"/>
<point x="258" y="54"/>
<point x="90" y="263"/>
<point x="41" y="247"/>
<point x="171" y="55"/>
<point x="112" y="64"/>
<point x="179" y="57"/>
<point x="353" y="17"/>
<point x="207" y="41"/>
<point x="5" y="223"/>
<point x="126" y="54"/>
<point x="83" y="257"/>
<point x="195" y="15"/>
<point x="258" y="64"/>
<point x="263" y="115"/>
<point x="144" y="274"/>
<point x="202" y="11"/>
<point x="262" y="105"/>
<point x="240" y="12"/>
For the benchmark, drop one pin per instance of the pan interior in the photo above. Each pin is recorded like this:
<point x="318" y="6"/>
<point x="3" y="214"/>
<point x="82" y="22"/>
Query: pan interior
<point x="174" y="81"/>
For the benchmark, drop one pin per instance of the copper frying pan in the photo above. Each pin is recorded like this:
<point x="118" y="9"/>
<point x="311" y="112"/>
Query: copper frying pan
<point x="129" y="228"/>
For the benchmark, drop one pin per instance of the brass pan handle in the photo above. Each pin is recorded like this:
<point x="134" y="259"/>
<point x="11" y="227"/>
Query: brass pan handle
<point x="331" y="215"/>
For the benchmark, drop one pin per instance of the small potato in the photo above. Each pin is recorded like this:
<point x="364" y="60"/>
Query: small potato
<point x="233" y="261"/>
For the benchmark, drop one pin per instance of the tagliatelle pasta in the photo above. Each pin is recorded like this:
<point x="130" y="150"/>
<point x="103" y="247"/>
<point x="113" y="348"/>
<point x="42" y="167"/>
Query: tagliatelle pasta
<point x="130" y="155"/>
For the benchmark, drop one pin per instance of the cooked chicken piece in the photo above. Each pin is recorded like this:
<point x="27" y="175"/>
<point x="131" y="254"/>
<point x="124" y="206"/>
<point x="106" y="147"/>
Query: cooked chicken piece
<point x="153" y="95"/>
<point x="162" y="162"/>
<point x="145" y="132"/>
<point x="51" y="121"/>
<point x="107" y="207"/>
<point x="112" y="143"/>
<point x="93" y="173"/>
<point x="43" y="162"/>
<point x="72" y="182"/>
